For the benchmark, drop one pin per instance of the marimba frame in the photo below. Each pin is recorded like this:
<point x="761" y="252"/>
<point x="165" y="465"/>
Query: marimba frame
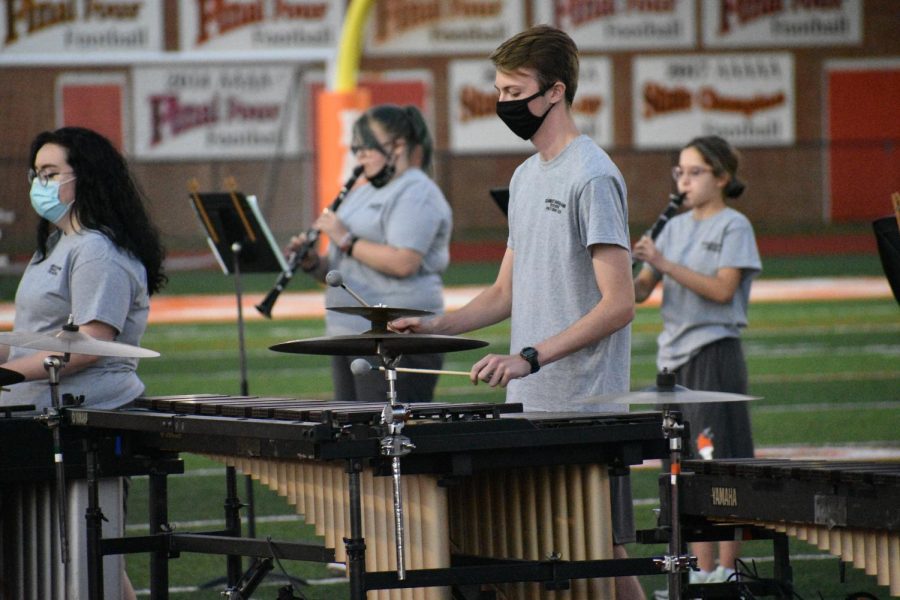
<point x="618" y="439"/>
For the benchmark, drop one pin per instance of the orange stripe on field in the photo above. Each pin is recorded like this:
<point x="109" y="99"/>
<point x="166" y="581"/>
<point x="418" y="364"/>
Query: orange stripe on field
<point x="311" y="305"/>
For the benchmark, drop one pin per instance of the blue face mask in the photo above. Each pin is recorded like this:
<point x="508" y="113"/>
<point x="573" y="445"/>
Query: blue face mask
<point x="46" y="202"/>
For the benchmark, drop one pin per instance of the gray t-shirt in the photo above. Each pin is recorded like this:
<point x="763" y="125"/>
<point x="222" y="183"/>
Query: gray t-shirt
<point x="88" y="276"/>
<point x="557" y="210"/>
<point x="409" y="212"/>
<point x="689" y="320"/>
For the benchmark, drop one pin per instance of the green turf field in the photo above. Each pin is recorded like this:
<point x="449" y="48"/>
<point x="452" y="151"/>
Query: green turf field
<point x="827" y="371"/>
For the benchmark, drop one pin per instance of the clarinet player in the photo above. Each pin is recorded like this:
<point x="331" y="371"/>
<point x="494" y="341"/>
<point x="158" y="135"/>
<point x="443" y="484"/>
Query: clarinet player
<point x="706" y="258"/>
<point x="391" y="243"/>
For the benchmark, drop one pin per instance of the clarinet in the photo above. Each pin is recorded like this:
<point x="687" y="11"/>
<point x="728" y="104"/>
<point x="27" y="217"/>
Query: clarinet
<point x="675" y="201"/>
<point x="297" y="256"/>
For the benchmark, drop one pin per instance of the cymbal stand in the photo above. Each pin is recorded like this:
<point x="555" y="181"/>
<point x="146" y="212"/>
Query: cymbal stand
<point x="676" y="563"/>
<point x="52" y="417"/>
<point x="394" y="416"/>
<point x="394" y="445"/>
<point x="232" y="504"/>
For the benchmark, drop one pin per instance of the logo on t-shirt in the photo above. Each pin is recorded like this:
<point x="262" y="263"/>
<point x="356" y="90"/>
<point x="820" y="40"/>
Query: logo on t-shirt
<point x="54" y="269"/>
<point x="712" y="246"/>
<point x="705" y="446"/>
<point x="555" y="206"/>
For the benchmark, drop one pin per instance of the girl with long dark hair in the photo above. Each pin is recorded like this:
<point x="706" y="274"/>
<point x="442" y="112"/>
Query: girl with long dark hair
<point x="98" y="259"/>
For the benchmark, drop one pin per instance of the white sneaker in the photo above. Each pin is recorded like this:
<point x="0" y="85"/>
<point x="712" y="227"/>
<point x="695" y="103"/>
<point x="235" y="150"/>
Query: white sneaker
<point x="697" y="577"/>
<point x="719" y="575"/>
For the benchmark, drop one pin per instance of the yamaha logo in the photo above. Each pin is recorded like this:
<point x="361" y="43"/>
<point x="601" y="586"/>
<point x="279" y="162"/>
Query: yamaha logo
<point x="724" y="496"/>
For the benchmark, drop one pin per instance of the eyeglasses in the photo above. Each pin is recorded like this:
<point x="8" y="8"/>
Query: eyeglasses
<point x="45" y="177"/>
<point x="357" y="148"/>
<point x="691" y="172"/>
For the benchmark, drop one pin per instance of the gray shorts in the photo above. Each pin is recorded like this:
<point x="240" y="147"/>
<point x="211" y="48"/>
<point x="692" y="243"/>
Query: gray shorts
<point x="622" y="506"/>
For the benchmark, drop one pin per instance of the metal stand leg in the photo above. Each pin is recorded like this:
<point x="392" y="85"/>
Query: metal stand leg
<point x="53" y="419"/>
<point x="244" y="383"/>
<point x="233" y="504"/>
<point x="678" y="563"/>
<point x="248" y="502"/>
<point x="159" y="523"/>
<point x="782" y="571"/>
<point x="356" y="543"/>
<point x="233" y="525"/>
<point x="94" y="517"/>
<point x="675" y="545"/>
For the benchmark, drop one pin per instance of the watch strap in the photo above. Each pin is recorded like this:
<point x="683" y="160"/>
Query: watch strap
<point x="531" y="355"/>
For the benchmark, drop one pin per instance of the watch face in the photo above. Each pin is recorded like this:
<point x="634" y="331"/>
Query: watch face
<point x="530" y="354"/>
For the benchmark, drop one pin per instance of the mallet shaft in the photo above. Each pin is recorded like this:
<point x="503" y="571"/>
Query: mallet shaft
<point x="427" y="371"/>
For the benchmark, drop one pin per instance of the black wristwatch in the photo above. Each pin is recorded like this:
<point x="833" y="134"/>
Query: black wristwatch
<point x="531" y="355"/>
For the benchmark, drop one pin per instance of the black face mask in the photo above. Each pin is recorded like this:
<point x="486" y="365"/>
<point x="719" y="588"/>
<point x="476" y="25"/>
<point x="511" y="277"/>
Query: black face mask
<point x="384" y="176"/>
<point x="519" y="119"/>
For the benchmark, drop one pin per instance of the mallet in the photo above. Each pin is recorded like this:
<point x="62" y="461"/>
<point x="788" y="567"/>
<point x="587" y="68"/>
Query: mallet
<point x="361" y="366"/>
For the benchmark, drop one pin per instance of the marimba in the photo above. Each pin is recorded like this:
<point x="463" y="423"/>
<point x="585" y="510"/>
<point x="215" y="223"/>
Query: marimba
<point x="30" y="554"/>
<point x="847" y="508"/>
<point x="493" y="495"/>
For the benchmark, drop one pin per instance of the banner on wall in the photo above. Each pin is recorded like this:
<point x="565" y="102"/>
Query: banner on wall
<point x="475" y="127"/>
<point x="215" y="112"/>
<point x="428" y="27"/>
<point x="745" y="98"/>
<point x="82" y="31"/>
<point x="275" y="25"/>
<point x="622" y="24"/>
<point x="821" y="23"/>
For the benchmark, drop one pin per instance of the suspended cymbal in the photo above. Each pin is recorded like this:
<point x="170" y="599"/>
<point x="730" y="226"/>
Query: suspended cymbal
<point x="677" y="394"/>
<point x="376" y="344"/>
<point x="73" y="342"/>
<point x="380" y="313"/>
<point x="380" y="316"/>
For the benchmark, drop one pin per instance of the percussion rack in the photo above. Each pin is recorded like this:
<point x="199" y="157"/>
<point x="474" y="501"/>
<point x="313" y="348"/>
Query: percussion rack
<point x="451" y="440"/>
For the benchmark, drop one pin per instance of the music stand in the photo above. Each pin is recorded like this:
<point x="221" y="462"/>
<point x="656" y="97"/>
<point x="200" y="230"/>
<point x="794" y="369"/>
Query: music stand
<point x="500" y="196"/>
<point x="232" y="217"/>
<point x="241" y="241"/>
<point x="887" y="238"/>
